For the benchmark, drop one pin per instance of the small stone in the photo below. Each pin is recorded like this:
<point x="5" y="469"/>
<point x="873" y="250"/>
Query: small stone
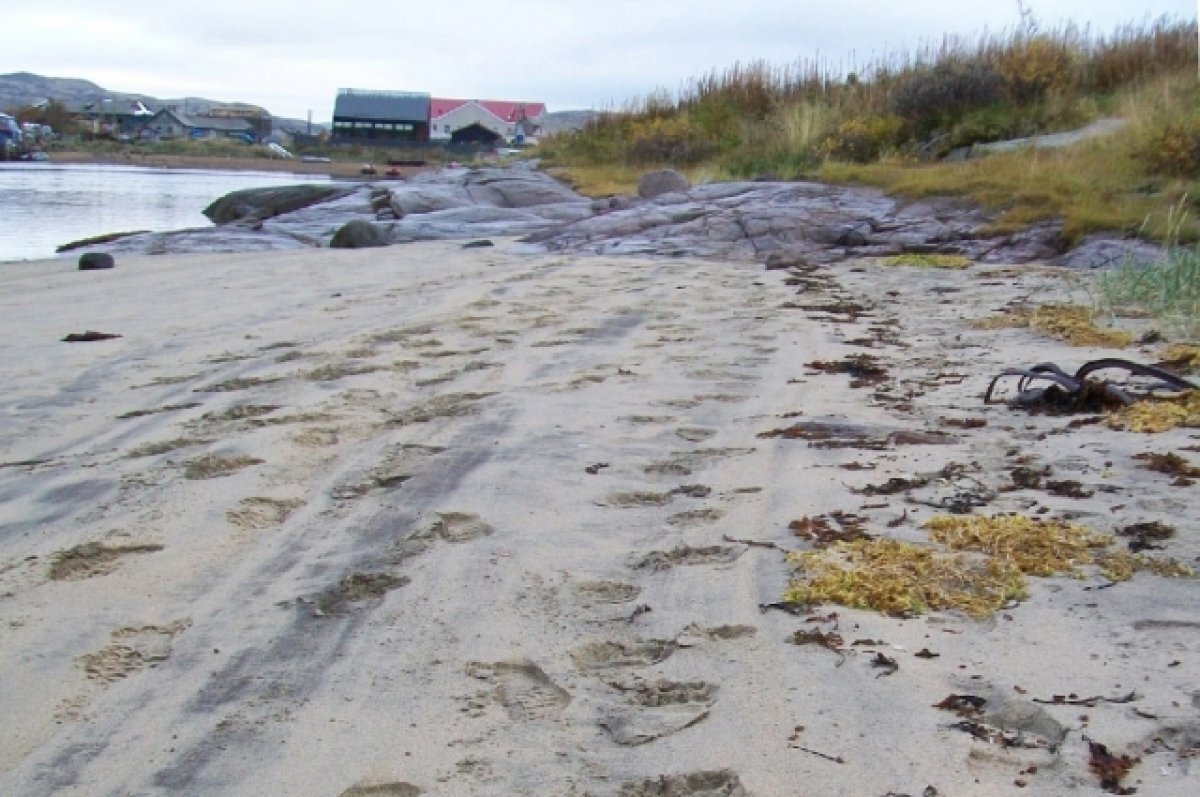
<point x="95" y="261"/>
<point x="664" y="181"/>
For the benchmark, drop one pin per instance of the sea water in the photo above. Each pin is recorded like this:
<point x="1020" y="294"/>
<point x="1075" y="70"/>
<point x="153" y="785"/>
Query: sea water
<point x="45" y="205"/>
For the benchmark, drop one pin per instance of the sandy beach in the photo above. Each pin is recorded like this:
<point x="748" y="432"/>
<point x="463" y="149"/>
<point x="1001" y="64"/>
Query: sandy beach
<point x="443" y="521"/>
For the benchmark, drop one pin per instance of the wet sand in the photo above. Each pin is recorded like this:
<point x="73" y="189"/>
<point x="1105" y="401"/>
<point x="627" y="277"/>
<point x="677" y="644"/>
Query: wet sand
<point x="427" y="520"/>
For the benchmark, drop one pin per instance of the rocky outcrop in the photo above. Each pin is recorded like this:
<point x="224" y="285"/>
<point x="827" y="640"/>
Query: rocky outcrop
<point x="266" y="203"/>
<point x="800" y="222"/>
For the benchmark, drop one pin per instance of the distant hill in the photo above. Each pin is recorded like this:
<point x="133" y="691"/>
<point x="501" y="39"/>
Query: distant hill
<point x="561" y="121"/>
<point x="22" y="89"/>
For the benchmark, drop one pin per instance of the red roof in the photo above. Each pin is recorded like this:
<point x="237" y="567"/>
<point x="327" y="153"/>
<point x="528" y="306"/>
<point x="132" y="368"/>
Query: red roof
<point x="503" y="109"/>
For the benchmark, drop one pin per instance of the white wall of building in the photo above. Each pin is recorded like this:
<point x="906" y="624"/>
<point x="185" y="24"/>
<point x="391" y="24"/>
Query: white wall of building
<point x="466" y="115"/>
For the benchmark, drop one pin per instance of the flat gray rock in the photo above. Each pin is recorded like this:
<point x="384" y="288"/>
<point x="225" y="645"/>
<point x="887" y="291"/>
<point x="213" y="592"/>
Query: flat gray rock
<point x="809" y="222"/>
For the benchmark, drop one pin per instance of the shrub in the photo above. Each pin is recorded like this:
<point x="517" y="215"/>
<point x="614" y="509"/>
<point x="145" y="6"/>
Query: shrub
<point x="667" y="140"/>
<point x="928" y="96"/>
<point x="1033" y="67"/>
<point x="1172" y="149"/>
<point x="865" y="138"/>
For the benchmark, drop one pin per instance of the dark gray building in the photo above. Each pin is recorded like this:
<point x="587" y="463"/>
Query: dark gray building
<point x="380" y="118"/>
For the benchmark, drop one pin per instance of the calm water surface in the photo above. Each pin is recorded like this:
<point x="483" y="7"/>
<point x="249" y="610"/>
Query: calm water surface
<point x="45" y="205"/>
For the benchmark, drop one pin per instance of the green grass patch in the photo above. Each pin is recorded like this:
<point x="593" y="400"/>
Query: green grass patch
<point x="1168" y="291"/>
<point x="928" y="261"/>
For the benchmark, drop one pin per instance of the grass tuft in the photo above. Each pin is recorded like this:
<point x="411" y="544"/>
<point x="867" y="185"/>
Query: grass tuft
<point x="928" y="261"/>
<point x="1168" y="290"/>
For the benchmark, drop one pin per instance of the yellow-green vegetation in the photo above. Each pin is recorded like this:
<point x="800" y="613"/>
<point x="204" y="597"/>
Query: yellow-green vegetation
<point x="1168" y="290"/>
<point x="985" y="567"/>
<point x="890" y="123"/>
<point x="1034" y="547"/>
<point x="901" y="579"/>
<point x="927" y="261"/>
<point x="1047" y="547"/>
<point x="1151" y="416"/>
<point x="599" y="180"/>
<point x="1070" y="323"/>
<point x="1185" y="354"/>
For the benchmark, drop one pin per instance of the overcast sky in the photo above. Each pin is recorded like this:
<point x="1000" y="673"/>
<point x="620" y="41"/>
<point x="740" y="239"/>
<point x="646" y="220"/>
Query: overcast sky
<point x="291" y="57"/>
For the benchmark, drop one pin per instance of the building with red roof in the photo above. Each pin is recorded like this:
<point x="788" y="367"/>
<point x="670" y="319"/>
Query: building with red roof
<point x="487" y="122"/>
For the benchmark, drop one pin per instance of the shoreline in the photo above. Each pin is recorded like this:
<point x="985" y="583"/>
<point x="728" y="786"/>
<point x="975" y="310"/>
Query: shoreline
<point x="336" y="170"/>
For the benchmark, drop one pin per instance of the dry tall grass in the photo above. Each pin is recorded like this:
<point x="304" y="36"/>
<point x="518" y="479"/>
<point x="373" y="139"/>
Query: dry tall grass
<point x="889" y="123"/>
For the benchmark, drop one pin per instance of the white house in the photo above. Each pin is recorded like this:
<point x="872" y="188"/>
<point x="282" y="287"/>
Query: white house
<point x="487" y="122"/>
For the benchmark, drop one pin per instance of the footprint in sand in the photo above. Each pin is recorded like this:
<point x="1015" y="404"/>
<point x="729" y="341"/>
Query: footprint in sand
<point x="316" y="438"/>
<point x="93" y="559"/>
<point x="694" y="434"/>
<point x="215" y="466"/>
<point x="125" y="416"/>
<point x="455" y="527"/>
<point x="696" y="635"/>
<point x="396" y="789"/>
<point x="352" y="592"/>
<point x="637" y="499"/>
<point x="397" y="466"/>
<point x="450" y="405"/>
<point x="160" y="447"/>
<point x="606" y="655"/>
<point x="722" y="783"/>
<point x="336" y="371"/>
<point x="240" y="383"/>
<point x="262" y="513"/>
<point x="649" y="419"/>
<point x="599" y="593"/>
<point x="658" y="709"/>
<point x="239" y="412"/>
<point x="695" y="517"/>
<point x="523" y="689"/>
<point x="131" y="650"/>
<point x="684" y="463"/>
<point x="687" y="556"/>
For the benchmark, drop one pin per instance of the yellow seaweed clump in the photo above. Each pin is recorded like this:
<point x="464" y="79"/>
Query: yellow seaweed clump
<point x="902" y="579"/>
<point x="1035" y="547"/>
<point x="1186" y="355"/>
<point x="1047" y="547"/>
<point x="928" y="261"/>
<point x="986" y="568"/>
<point x="1070" y="323"/>
<point x="1155" y="415"/>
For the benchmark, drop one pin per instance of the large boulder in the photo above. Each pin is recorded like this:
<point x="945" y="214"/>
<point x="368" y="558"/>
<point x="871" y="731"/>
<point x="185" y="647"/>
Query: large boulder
<point x="664" y="181"/>
<point x="360" y="234"/>
<point x="518" y="188"/>
<point x="414" y="198"/>
<point x="265" y="203"/>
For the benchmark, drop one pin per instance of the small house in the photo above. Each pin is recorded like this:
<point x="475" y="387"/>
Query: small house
<point x="380" y="118"/>
<point x="170" y="124"/>
<point x="113" y="116"/>
<point x="489" y="122"/>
